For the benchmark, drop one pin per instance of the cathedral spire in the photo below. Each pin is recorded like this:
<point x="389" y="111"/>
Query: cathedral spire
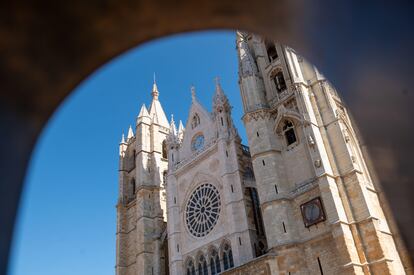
<point x="252" y="88"/>
<point x="122" y="146"/>
<point x="247" y="64"/>
<point x="130" y="133"/>
<point x="220" y="99"/>
<point x="180" y="127"/>
<point x="155" y="92"/>
<point x="180" y="130"/>
<point x="156" y="112"/>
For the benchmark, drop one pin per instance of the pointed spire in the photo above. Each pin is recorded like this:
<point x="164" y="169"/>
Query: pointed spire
<point x="155" y="92"/>
<point x="219" y="90"/>
<point x="247" y="65"/>
<point x="143" y="112"/>
<point x="219" y="98"/>
<point x="180" y="130"/>
<point x="122" y="146"/>
<point x="130" y="133"/>
<point x="180" y="127"/>
<point x="156" y="113"/>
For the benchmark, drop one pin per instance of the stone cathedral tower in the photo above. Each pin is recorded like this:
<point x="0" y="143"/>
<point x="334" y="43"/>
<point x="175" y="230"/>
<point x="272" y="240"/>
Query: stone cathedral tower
<point x="141" y="209"/>
<point x="321" y="209"/>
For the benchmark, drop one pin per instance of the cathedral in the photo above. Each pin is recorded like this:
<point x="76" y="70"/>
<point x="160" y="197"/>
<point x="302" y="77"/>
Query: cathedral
<point x="299" y="199"/>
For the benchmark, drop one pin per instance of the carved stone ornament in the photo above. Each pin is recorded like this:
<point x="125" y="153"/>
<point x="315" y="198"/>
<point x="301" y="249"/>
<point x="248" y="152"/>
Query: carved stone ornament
<point x="260" y="114"/>
<point x="311" y="141"/>
<point x="318" y="163"/>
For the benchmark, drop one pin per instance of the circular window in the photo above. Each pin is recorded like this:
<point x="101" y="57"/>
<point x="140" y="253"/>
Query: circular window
<point x="203" y="209"/>
<point x="198" y="143"/>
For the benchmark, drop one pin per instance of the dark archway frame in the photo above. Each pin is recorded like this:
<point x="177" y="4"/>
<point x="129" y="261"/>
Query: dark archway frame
<point x="48" y="48"/>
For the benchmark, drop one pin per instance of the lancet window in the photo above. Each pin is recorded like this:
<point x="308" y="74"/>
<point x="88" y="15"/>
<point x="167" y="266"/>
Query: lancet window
<point x="289" y="132"/>
<point x="227" y="257"/>
<point x="190" y="268"/>
<point x="195" y="121"/>
<point x="215" y="263"/>
<point x="164" y="150"/>
<point x="202" y="266"/>
<point x="271" y="50"/>
<point x="280" y="82"/>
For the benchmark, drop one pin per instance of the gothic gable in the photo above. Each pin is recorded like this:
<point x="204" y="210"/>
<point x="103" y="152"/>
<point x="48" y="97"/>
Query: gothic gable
<point x="199" y="130"/>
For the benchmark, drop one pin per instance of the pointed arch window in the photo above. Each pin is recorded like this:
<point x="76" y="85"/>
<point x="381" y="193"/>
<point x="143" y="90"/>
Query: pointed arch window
<point x="164" y="150"/>
<point x="190" y="268"/>
<point x="215" y="267"/>
<point x="227" y="257"/>
<point x="271" y="50"/>
<point x="132" y="188"/>
<point x="280" y="82"/>
<point x="202" y="266"/>
<point x="289" y="132"/>
<point x="195" y="121"/>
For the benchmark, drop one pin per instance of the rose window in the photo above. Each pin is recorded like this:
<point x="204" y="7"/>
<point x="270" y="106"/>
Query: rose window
<point x="203" y="209"/>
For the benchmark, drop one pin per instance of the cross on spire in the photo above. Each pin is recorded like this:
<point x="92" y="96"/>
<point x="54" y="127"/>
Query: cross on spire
<point x="193" y="93"/>
<point x="217" y="80"/>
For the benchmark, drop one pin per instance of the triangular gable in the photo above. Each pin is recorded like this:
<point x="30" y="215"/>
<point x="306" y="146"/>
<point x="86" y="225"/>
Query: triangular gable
<point x="206" y="127"/>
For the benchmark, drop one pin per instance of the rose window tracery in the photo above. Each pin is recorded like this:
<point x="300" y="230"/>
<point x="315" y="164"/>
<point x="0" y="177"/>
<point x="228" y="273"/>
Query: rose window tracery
<point x="202" y="210"/>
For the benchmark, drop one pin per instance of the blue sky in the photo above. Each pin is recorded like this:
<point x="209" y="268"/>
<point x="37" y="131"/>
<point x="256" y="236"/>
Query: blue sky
<point x="67" y="216"/>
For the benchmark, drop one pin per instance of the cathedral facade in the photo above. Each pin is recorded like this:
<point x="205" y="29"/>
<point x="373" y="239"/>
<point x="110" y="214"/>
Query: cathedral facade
<point x="299" y="199"/>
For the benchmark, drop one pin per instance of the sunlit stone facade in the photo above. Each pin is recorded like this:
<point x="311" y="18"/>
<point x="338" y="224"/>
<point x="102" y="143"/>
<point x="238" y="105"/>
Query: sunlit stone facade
<point x="299" y="199"/>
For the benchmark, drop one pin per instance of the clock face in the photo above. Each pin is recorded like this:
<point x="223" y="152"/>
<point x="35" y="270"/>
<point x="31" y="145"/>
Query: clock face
<point x="198" y="143"/>
<point x="312" y="212"/>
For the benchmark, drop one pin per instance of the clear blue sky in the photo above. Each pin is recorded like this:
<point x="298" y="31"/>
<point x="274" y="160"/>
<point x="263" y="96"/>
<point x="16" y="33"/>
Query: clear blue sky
<point x="67" y="217"/>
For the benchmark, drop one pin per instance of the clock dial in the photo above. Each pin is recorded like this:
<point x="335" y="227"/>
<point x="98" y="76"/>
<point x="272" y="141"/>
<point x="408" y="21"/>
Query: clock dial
<point x="198" y="143"/>
<point x="312" y="212"/>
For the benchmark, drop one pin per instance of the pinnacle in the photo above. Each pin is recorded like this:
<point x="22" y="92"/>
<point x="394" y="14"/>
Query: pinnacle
<point x="173" y="129"/>
<point x="143" y="112"/>
<point x="155" y="92"/>
<point x="130" y="133"/>
<point x="180" y="127"/>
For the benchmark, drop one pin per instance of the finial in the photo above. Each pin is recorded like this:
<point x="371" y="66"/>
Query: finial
<point x="123" y="138"/>
<point x="193" y="93"/>
<point x="173" y="130"/>
<point x="155" y="92"/>
<point x="217" y="79"/>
